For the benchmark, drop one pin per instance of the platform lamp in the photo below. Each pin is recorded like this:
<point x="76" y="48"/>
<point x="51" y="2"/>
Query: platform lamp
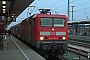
<point x="4" y="8"/>
<point x="3" y="2"/>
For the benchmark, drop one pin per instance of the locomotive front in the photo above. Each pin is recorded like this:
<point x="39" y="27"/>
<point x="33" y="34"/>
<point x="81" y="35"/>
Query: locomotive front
<point x="52" y="34"/>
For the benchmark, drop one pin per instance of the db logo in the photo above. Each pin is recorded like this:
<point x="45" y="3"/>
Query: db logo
<point x="52" y="33"/>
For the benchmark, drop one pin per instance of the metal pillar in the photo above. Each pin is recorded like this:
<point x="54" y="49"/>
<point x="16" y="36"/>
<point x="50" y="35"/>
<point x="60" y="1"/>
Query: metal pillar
<point x="68" y="11"/>
<point x="72" y="12"/>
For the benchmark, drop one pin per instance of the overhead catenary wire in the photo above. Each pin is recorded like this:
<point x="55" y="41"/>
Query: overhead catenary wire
<point x="81" y="3"/>
<point x="54" y="3"/>
<point x="85" y="8"/>
<point x="82" y="14"/>
<point x="87" y="18"/>
<point x="64" y="5"/>
<point x="74" y="1"/>
<point x="57" y="3"/>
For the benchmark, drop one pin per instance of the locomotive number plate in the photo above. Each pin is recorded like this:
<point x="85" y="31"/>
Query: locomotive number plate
<point x="52" y="33"/>
<point x="53" y="37"/>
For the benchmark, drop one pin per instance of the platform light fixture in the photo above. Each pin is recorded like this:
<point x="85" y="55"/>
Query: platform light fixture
<point x="4" y="9"/>
<point x="4" y="6"/>
<point x="3" y="2"/>
<point x="12" y="16"/>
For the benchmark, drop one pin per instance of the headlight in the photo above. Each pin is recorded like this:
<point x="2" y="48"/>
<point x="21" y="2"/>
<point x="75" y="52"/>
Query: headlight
<point x="63" y="38"/>
<point x="41" y="38"/>
<point x="53" y="29"/>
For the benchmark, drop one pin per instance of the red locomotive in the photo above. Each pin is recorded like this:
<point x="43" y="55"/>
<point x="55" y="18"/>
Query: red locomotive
<point x="48" y="33"/>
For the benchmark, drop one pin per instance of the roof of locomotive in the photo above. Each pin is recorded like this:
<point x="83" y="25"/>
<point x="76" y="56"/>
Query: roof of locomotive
<point x="48" y="15"/>
<point x="45" y="15"/>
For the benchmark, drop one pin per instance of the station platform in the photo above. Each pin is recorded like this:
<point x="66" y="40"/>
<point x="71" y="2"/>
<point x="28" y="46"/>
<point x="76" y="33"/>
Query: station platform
<point x="16" y="50"/>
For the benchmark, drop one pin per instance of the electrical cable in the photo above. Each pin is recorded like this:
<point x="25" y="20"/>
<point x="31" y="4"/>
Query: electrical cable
<point x="65" y="5"/>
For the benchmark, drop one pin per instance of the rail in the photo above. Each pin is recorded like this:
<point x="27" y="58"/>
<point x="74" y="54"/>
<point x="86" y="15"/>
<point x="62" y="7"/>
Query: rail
<point x="79" y="38"/>
<point x="79" y="48"/>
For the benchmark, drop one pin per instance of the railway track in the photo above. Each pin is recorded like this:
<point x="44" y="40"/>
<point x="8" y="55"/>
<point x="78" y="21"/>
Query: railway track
<point x="83" y="44"/>
<point x="84" y="39"/>
<point x="78" y="50"/>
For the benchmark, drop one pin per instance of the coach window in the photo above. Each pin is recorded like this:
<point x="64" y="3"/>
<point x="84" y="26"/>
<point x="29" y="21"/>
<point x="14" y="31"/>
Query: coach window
<point x="59" y="22"/>
<point x="46" y="22"/>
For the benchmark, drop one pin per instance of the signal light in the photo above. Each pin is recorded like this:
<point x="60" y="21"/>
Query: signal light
<point x="63" y="38"/>
<point x="41" y="38"/>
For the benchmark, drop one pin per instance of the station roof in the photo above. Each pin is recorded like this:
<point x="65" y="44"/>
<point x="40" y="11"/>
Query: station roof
<point x="79" y="22"/>
<point x="13" y="7"/>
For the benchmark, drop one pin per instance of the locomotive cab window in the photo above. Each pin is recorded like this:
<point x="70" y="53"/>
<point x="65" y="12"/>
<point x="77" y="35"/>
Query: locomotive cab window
<point x="46" y="22"/>
<point x="59" y="22"/>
